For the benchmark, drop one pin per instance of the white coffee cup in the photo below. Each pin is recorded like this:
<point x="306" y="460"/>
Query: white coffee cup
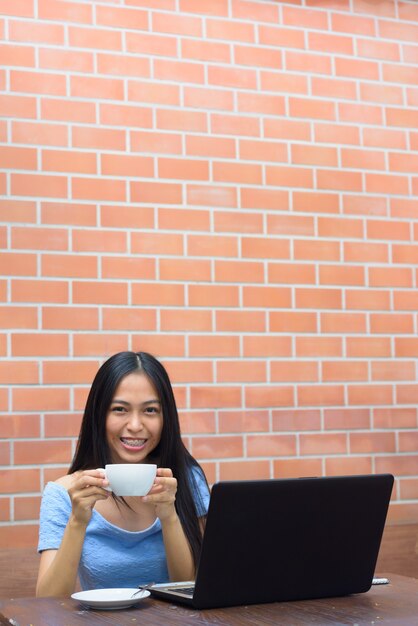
<point x="130" y="479"/>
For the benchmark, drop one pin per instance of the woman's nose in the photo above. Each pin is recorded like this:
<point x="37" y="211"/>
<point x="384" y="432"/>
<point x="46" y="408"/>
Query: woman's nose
<point x="135" y="421"/>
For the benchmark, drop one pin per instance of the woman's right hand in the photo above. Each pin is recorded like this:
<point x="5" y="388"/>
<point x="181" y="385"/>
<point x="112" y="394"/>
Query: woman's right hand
<point x="85" y="489"/>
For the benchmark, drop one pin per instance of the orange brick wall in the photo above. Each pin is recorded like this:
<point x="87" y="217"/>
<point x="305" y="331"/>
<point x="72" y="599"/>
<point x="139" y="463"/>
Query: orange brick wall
<point x="231" y="185"/>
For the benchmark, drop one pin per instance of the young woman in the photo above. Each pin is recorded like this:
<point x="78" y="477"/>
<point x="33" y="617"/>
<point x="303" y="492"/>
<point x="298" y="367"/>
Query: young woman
<point x="130" y="417"/>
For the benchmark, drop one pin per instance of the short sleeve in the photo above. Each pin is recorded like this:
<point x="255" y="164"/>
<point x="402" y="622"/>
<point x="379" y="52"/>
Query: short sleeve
<point x="54" y="515"/>
<point x="200" y="491"/>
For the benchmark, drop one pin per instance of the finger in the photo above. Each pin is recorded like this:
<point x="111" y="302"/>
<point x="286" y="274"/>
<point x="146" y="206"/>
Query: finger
<point x="164" y="471"/>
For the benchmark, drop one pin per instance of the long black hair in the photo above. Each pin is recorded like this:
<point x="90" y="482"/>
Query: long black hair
<point x="93" y="451"/>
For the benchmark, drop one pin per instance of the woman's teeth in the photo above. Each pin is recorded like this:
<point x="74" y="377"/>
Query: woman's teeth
<point x="135" y="443"/>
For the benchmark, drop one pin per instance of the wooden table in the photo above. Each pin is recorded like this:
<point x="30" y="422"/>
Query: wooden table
<point x="395" y="604"/>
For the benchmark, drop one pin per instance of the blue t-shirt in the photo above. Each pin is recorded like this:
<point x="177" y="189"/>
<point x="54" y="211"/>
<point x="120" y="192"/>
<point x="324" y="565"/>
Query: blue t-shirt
<point x="111" y="556"/>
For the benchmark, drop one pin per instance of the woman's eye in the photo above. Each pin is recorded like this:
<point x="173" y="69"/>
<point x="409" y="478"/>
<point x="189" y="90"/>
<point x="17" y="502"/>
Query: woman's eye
<point x="118" y="409"/>
<point x="151" y="410"/>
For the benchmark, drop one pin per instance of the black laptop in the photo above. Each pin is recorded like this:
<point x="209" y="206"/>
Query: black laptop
<point x="291" y="539"/>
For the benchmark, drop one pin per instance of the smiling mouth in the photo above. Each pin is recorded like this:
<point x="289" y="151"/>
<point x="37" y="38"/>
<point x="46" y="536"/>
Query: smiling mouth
<point x="133" y="443"/>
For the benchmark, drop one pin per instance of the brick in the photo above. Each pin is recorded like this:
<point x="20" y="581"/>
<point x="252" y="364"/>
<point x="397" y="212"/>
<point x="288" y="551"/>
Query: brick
<point x="203" y="98"/>
<point x="367" y="299"/>
<point x="240" y="321"/>
<point x="213" y="295"/>
<point x="346" y="466"/>
<point x="387" y="183"/>
<point x="308" y="62"/>
<point x="69" y="318"/>
<point x="66" y="265"/>
<point x="287" y="129"/>
<point x="95" y="38"/>
<point x="308" y="298"/>
<point x="405" y="300"/>
<point x="363" y="159"/>
<point x="235" y="77"/>
<point x="390" y="276"/>
<point x="265" y="248"/>
<point x="190" y="320"/>
<point x="98" y="345"/>
<point x="395" y="418"/>
<point x="343" y="322"/>
<point x="211" y="195"/>
<point x="340" y="133"/>
<point x="39" y="344"/>
<point x="17" y="426"/>
<point x="323" y="443"/>
<point x="69" y="161"/>
<point x="211" y="397"/>
<point x="36" y="32"/>
<point x="132" y="216"/>
<point x="316" y="250"/>
<point x="346" y="419"/>
<point x="271" y="445"/>
<point x="396" y="464"/>
<point x="294" y="371"/>
<point x="258" y="57"/>
<point x="34" y="238"/>
<point x="18" y="264"/>
<point x="326" y="395"/>
<point x="99" y="241"/>
<point x="153" y="142"/>
<point x="125" y="115"/>
<point x="155" y="93"/>
<point x="370" y="394"/>
<point x="284" y="82"/>
<point x="339" y="180"/>
<point x="206" y="7"/>
<point x="245" y="9"/>
<point x="104" y="189"/>
<point x="103" y="88"/>
<point x="39" y="185"/>
<point x="37" y="133"/>
<point x="68" y="214"/>
<point x="291" y="273"/>
<point x="268" y="396"/>
<point x="312" y="108"/>
<point x="12" y="481"/>
<point x="241" y="371"/>
<point x="292" y="322"/>
<point x="27" y="508"/>
<point x="130" y="267"/>
<point x="180" y="71"/>
<point x="15" y="55"/>
<point x="66" y="60"/>
<point x="157" y="243"/>
<point x="296" y="467"/>
<point x="237" y="173"/>
<point x="17" y="211"/>
<point x="368" y="347"/>
<point x="227" y="221"/>
<point x="295" y="420"/>
<point x="185" y="269"/>
<point x="266" y="297"/>
<point x="213" y="346"/>
<point x="36" y="452"/>
<point x="103" y="292"/>
<point x="18" y="317"/>
<point x="120" y="17"/>
<point x="19" y="372"/>
<point x="229" y="30"/>
<point x="22" y="8"/>
<point x="18" y="106"/>
<point x="39" y="291"/>
<point x="130" y="319"/>
<point x="402" y="207"/>
<point x="201" y="50"/>
<point x="40" y="399"/>
<point x="318" y="347"/>
<point x="176" y="168"/>
<point x="184" y="219"/>
<point x="244" y="470"/>
<point x="341" y="275"/>
<point x="281" y="37"/>
<point x="219" y="447"/>
<point x="359" y="252"/>
<point x="243" y="421"/>
<point x="66" y="110"/>
<point x="126" y="165"/>
<point x="364" y="205"/>
<point x="190" y="371"/>
<point x="336" y="371"/>
<point x="393" y="370"/>
<point x="177" y="24"/>
<point x="38" y="83"/>
<point x="305" y="154"/>
<point x="98" y="138"/>
<point x="200" y="422"/>
<point x="404" y="253"/>
<point x="58" y="10"/>
<point x="167" y="294"/>
<point x="356" y="68"/>
<point x="391" y="323"/>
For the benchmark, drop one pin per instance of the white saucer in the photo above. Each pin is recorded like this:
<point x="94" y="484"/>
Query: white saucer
<point x="109" y="599"/>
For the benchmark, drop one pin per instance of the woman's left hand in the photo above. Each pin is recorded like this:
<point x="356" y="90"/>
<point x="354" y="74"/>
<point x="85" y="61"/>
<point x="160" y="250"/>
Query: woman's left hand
<point x="163" y="494"/>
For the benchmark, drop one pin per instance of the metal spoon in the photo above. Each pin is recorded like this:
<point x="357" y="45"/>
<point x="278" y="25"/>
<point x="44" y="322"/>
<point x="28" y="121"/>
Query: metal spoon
<point x="143" y="588"/>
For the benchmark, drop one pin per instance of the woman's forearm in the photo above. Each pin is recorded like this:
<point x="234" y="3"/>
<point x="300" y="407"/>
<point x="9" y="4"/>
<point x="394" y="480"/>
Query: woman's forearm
<point x="179" y="556"/>
<point x="57" y="577"/>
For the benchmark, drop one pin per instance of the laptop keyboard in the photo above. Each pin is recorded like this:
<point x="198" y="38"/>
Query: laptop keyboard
<point x="188" y="591"/>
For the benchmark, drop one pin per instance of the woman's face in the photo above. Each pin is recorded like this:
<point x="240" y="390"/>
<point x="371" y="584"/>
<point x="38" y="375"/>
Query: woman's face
<point x="134" y="421"/>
